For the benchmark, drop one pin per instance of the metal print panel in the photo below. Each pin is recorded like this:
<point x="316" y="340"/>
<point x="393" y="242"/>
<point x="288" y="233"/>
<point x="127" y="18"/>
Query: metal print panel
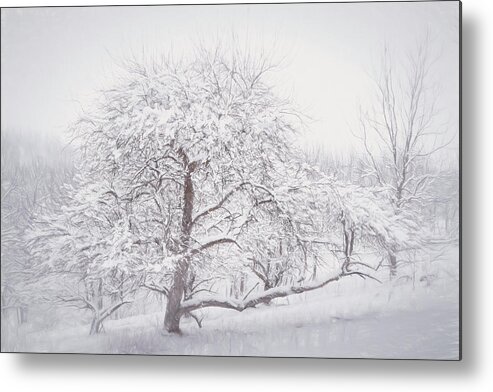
<point x="232" y="180"/>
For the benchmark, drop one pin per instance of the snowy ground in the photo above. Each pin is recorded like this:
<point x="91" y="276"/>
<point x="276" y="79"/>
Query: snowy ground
<point x="351" y="318"/>
<point x="325" y="324"/>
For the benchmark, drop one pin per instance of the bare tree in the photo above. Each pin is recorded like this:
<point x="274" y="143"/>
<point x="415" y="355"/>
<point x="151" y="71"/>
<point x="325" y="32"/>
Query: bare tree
<point x="401" y="132"/>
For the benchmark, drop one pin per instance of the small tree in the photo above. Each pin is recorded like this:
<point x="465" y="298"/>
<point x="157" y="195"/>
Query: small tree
<point x="83" y="254"/>
<point x="365" y="220"/>
<point x="32" y="171"/>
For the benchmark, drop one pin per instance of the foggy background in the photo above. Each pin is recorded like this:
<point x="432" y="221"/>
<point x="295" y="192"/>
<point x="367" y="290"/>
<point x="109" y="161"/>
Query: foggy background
<point x="54" y="59"/>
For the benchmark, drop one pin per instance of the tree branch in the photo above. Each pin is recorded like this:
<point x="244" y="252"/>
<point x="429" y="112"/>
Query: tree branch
<point x="224" y="240"/>
<point x="263" y="297"/>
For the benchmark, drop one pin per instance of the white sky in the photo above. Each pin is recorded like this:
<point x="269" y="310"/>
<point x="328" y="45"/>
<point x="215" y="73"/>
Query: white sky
<point x="53" y="59"/>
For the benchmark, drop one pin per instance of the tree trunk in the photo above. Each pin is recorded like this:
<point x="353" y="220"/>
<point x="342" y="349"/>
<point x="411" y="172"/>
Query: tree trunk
<point x="242" y="286"/>
<point x="96" y="325"/>
<point x="267" y="286"/>
<point x="393" y="265"/>
<point x="99" y="294"/>
<point x="175" y="296"/>
<point x="22" y="315"/>
<point x="100" y="315"/>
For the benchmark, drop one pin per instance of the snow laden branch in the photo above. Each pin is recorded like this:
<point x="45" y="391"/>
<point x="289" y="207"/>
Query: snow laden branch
<point x="264" y="297"/>
<point x="99" y="315"/>
<point x="217" y="206"/>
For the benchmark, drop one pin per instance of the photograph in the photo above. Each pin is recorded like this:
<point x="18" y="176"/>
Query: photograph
<point x="238" y="180"/>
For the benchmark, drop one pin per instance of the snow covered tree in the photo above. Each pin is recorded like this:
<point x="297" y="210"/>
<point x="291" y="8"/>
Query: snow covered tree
<point x="32" y="171"/>
<point x="366" y="220"/>
<point x="199" y="153"/>
<point x="83" y="252"/>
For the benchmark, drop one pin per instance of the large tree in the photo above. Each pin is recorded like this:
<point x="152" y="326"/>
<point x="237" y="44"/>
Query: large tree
<point x="194" y="164"/>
